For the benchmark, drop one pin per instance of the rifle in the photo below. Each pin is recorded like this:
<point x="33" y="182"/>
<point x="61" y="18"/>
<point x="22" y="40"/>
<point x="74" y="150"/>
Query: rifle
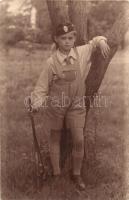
<point x="38" y="155"/>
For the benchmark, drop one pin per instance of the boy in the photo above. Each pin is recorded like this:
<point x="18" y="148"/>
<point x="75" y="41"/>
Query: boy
<point x="61" y="89"/>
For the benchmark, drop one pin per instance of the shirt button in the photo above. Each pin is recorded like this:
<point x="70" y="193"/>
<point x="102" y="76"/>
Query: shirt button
<point x="63" y="75"/>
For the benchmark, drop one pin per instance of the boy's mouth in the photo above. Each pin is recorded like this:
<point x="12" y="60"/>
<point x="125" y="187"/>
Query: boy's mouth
<point x="67" y="45"/>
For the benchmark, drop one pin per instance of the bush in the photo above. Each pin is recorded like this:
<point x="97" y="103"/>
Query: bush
<point x="36" y="36"/>
<point x="11" y="35"/>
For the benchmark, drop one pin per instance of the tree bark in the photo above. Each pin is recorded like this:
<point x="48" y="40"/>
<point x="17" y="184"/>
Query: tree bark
<point x="58" y="12"/>
<point x="99" y="65"/>
<point x="43" y="21"/>
<point x="78" y="11"/>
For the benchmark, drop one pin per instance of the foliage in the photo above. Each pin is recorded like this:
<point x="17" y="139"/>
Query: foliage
<point x="36" y="35"/>
<point x="3" y="13"/>
<point x="11" y="35"/>
<point x="102" y="16"/>
<point x="15" y="28"/>
<point x="10" y="26"/>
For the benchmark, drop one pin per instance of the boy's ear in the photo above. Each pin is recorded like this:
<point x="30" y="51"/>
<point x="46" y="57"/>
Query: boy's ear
<point x="55" y="38"/>
<point x="75" y="37"/>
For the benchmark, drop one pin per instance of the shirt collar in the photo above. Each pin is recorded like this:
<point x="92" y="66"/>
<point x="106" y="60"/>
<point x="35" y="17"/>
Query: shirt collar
<point x="62" y="56"/>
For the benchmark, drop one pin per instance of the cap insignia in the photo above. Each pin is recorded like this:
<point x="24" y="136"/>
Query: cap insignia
<point x="65" y="29"/>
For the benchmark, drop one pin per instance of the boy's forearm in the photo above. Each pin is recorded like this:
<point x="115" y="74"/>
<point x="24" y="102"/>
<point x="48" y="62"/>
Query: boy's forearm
<point x="39" y="95"/>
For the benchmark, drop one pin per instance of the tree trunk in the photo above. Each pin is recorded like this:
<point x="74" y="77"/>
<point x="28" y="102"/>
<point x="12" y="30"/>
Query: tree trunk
<point x="114" y="37"/>
<point x="43" y="21"/>
<point x="99" y="65"/>
<point x="58" y="12"/>
<point x="78" y="11"/>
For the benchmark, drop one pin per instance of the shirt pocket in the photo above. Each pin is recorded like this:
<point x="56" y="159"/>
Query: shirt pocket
<point x="69" y="75"/>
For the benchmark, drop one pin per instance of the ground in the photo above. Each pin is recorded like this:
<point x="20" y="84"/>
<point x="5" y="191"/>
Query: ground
<point x="105" y="168"/>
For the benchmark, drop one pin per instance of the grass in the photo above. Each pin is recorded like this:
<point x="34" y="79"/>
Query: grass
<point x="104" y="167"/>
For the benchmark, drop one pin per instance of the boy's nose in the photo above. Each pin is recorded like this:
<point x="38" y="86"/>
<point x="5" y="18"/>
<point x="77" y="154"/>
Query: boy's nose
<point x="67" y="40"/>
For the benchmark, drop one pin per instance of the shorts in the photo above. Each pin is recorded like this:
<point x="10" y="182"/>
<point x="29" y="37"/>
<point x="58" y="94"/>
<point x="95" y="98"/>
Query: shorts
<point x="74" y="116"/>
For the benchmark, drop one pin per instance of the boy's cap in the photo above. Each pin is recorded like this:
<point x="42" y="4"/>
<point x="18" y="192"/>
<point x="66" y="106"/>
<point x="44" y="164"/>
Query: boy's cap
<point x="64" y="28"/>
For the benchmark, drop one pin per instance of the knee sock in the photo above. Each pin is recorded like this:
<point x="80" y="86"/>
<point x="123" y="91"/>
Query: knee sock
<point x="55" y="151"/>
<point x="78" y="150"/>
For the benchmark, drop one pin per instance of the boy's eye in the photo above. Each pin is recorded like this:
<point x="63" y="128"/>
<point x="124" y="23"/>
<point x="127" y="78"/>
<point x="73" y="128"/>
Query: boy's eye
<point x="70" y="38"/>
<point x="65" y="38"/>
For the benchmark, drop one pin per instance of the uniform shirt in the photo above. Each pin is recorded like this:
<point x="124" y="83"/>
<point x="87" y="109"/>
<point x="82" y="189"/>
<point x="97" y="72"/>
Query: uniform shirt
<point x="41" y="91"/>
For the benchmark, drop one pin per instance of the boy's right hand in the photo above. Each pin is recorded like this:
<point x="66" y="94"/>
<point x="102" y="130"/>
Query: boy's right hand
<point x="104" y="47"/>
<point x="29" y="106"/>
<point x="34" y="110"/>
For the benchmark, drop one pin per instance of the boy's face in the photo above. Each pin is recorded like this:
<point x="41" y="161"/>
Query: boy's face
<point x="66" y="41"/>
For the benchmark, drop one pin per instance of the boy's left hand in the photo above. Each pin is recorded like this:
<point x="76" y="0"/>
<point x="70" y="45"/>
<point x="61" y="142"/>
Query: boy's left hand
<point x="104" y="47"/>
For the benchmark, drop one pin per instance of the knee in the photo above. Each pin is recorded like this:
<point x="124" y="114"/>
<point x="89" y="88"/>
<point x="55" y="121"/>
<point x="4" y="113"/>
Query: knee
<point x="78" y="140"/>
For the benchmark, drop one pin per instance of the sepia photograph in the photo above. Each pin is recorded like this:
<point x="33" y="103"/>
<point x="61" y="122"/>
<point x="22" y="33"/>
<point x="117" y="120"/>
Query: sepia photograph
<point x="64" y="102"/>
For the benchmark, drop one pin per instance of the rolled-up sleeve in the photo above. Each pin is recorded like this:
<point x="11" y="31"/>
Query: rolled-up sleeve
<point x="96" y="41"/>
<point x="40" y="93"/>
